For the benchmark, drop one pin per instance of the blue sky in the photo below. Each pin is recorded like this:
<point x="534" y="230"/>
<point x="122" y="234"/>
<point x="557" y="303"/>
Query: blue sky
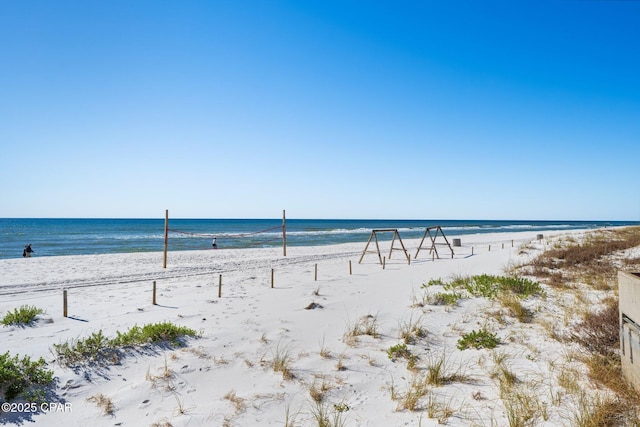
<point x="328" y="109"/>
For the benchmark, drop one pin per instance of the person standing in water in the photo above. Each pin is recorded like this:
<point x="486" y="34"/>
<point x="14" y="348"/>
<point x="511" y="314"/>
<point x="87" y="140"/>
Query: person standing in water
<point x="215" y="243"/>
<point x="27" y="251"/>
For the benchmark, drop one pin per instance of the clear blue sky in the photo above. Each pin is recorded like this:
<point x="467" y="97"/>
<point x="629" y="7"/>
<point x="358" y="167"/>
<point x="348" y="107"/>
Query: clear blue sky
<point x="328" y="109"/>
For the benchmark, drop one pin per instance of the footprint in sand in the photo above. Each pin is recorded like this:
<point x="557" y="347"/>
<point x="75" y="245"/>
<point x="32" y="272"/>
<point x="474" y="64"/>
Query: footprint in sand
<point x="186" y="369"/>
<point x="71" y="384"/>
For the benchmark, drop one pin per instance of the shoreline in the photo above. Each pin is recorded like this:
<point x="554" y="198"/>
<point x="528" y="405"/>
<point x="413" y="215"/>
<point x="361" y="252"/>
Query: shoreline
<point x="92" y="237"/>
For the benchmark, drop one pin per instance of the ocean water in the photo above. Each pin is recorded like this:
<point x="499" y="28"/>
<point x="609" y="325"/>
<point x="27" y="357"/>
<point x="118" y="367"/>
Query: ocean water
<point x="52" y="237"/>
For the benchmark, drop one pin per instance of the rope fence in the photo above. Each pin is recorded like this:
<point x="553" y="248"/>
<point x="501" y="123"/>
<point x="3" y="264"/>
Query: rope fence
<point x="154" y="300"/>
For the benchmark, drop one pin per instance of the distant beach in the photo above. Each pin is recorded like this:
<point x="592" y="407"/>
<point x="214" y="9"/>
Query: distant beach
<point x="55" y="237"/>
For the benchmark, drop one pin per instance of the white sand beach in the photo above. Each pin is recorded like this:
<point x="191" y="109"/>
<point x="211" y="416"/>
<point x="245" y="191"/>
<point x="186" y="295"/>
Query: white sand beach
<point x="226" y="376"/>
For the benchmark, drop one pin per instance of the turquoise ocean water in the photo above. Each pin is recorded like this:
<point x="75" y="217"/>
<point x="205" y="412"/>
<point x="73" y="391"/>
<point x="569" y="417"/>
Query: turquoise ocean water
<point x="50" y="237"/>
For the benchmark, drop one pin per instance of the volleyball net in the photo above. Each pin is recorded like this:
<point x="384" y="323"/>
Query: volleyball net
<point x="265" y="237"/>
<point x="192" y="240"/>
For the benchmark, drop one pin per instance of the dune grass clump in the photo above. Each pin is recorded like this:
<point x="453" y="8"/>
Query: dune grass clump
<point x="437" y="409"/>
<point x="515" y="308"/>
<point x="366" y="325"/>
<point x="411" y="399"/>
<point x="599" y="410"/>
<point x="20" y="376"/>
<point x="412" y="331"/>
<point x="237" y="401"/>
<point x="327" y="415"/>
<point x="24" y="315"/>
<point x="440" y="372"/>
<point x="282" y="361"/>
<point x="103" y="402"/>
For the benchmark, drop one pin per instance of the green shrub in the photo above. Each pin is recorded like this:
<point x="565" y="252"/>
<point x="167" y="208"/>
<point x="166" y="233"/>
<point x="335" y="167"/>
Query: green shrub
<point x="92" y="348"/>
<point x="99" y="347"/>
<point x="450" y="297"/>
<point x="433" y="282"/>
<point x="445" y="298"/>
<point x="520" y="286"/>
<point x="459" y="282"/>
<point x="478" y="339"/>
<point x="152" y="334"/>
<point x="21" y="316"/>
<point x="489" y="286"/>
<point x="20" y="376"/>
<point x="483" y="285"/>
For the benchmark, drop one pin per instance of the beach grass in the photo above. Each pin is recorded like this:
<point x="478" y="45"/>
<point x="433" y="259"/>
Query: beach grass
<point x="103" y="402"/>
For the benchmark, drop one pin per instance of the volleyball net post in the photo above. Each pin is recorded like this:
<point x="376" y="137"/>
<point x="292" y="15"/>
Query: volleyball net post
<point x="284" y="233"/>
<point x="166" y="237"/>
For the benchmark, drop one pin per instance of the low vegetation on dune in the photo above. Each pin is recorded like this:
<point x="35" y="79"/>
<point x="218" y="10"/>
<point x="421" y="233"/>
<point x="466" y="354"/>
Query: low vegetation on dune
<point x="25" y="315"/>
<point x="98" y="348"/>
<point x="568" y="290"/>
<point x="22" y="377"/>
<point x="483" y="285"/>
<point x="593" y="260"/>
<point x="585" y="271"/>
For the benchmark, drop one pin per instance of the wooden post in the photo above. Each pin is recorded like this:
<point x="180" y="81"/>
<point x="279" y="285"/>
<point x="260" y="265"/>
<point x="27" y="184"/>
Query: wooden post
<point x="153" y="299"/>
<point x="220" y="286"/>
<point x="316" y="275"/>
<point x="512" y="243"/>
<point x="384" y="262"/>
<point x="350" y="269"/>
<point x="284" y="233"/>
<point x="503" y="246"/>
<point x="166" y="236"/>
<point x="471" y="250"/>
<point x="272" y="277"/>
<point x="64" y="302"/>
<point x="489" y="248"/>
